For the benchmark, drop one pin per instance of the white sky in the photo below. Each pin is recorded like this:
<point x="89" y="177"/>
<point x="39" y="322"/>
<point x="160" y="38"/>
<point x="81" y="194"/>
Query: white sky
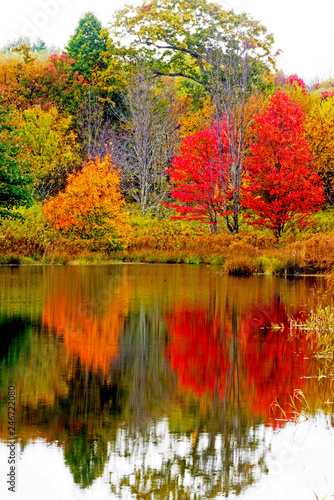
<point x="303" y="29"/>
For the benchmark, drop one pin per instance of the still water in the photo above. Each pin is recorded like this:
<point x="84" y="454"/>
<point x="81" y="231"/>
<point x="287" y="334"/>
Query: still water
<point x="162" y="382"/>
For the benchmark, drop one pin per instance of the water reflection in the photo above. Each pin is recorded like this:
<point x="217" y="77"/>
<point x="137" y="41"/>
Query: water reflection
<point x="251" y="358"/>
<point x="276" y="359"/>
<point x="161" y="379"/>
<point x="89" y="326"/>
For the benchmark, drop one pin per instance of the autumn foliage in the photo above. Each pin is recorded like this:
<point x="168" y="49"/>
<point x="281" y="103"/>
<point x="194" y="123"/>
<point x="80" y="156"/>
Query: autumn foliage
<point x="281" y="186"/>
<point x="199" y="177"/>
<point x="296" y="81"/>
<point x="319" y="133"/>
<point x="27" y="80"/>
<point x="50" y="144"/>
<point x="91" y="207"/>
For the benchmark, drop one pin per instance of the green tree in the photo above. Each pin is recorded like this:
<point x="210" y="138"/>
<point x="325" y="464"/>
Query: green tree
<point x="39" y="46"/>
<point x="86" y="45"/>
<point x="14" y="180"/>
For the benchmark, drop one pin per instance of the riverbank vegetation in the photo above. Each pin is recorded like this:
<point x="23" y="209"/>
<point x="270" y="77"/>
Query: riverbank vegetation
<point x="32" y="240"/>
<point x="137" y="144"/>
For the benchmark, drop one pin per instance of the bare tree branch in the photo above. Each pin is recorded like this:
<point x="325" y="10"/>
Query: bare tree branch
<point x="145" y="145"/>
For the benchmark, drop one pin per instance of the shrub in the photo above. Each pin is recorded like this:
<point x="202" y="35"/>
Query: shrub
<point x="10" y="259"/>
<point x="192" y="259"/>
<point x="91" y="207"/>
<point x="239" y="266"/>
<point x="28" y="236"/>
<point x="265" y="264"/>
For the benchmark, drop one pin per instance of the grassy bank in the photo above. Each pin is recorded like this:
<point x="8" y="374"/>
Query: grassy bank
<point x="168" y="241"/>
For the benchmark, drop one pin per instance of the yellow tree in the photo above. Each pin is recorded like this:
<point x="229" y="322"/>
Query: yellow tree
<point x="319" y="132"/>
<point x="92" y="208"/>
<point x="196" y="120"/>
<point x="51" y="146"/>
<point x="16" y="68"/>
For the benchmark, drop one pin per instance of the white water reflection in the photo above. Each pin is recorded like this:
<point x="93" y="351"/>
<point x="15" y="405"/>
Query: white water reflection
<point x="159" y="460"/>
<point x="42" y="475"/>
<point x="300" y="462"/>
<point x="300" y="466"/>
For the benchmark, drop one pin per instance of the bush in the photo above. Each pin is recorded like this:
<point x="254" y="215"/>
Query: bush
<point x="90" y="209"/>
<point x="28" y="236"/>
<point x="239" y="266"/>
<point x="322" y="221"/>
<point x="192" y="259"/>
<point x="266" y="264"/>
<point x="10" y="260"/>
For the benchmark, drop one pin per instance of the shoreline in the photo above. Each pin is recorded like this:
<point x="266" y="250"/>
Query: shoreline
<point x="282" y="272"/>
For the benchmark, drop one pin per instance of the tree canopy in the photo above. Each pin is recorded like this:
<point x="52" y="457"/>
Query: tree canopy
<point x="184" y="37"/>
<point x="200" y="179"/>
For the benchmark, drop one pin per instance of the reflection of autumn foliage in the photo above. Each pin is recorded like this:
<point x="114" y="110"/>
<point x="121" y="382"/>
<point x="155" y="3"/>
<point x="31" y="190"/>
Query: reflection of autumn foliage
<point x="91" y="333"/>
<point x="197" y="351"/>
<point x="275" y="360"/>
<point x="271" y="360"/>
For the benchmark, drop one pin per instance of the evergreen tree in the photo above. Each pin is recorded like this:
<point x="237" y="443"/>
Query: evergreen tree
<point x="86" y="45"/>
<point x="39" y="46"/>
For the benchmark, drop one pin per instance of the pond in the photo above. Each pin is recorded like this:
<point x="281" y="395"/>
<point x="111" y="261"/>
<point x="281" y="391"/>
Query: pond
<point x="161" y="381"/>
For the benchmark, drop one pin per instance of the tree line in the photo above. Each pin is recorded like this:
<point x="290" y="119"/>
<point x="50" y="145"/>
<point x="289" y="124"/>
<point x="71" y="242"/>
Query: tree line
<point x="180" y="106"/>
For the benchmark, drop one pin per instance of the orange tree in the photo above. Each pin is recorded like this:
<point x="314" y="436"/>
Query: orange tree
<point x="91" y="207"/>
<point x="15" y="178"/>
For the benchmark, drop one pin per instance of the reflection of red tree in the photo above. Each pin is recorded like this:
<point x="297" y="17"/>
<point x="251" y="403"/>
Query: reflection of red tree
<point x="275" y="360"/>
<point x="196" y="351"/>
<point x="272" y="361"/>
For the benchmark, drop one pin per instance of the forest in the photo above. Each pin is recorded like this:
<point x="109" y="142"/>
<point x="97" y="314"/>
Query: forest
<point x="169" y="135"/>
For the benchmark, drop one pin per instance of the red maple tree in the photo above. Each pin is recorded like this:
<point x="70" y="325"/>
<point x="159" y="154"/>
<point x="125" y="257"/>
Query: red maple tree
<point x="199" y="176"/>
<point x="281" y="186"/>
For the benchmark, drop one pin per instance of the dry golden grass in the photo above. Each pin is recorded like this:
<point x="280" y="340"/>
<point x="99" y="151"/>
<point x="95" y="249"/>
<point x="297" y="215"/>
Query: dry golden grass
<point x="156" y="240"/>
